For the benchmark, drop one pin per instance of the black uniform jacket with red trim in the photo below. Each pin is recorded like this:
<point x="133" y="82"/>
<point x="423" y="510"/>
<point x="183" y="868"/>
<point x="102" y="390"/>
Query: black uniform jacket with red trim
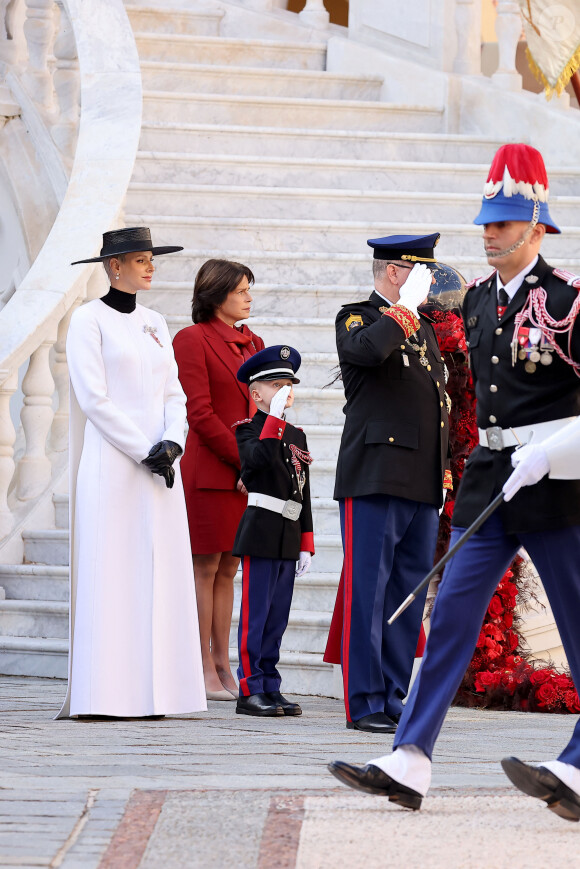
<point x="396" y="432"/>
<point x="511" y="396"/>
<point x="266" y="458"/>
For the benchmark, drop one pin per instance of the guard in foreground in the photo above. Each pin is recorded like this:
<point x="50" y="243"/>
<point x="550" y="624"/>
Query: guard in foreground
<point x="521" y="325"/>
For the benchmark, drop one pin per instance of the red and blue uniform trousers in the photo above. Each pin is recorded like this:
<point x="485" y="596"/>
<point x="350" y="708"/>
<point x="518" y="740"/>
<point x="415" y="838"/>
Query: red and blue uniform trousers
<point x="389" y="544"/>
<point x="466" y="588"/>
<point x="267" y="586"/>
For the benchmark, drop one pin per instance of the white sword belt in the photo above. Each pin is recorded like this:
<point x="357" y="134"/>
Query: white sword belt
<point x="288" y="509"/>
<point x="496" y="438"/>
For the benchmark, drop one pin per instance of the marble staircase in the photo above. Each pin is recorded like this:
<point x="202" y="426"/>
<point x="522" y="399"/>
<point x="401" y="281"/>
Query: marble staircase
<point x="250" y="150"/>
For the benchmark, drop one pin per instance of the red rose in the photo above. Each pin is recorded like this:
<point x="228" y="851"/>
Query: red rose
<point x="540" y="676"/>
<point x="486" y="679"/>
<point x="547" y="695"/>
<point x="480" y="640"/>
<point x="572" y="700"/>
<point x="508" y="619"/>
<point x="562" y="681"/>
<point x="512" y="640"/>
<point x="495" y="608"/>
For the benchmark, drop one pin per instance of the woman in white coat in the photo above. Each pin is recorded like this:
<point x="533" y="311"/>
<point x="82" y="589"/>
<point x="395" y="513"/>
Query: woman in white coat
<point x="134" y="636"/>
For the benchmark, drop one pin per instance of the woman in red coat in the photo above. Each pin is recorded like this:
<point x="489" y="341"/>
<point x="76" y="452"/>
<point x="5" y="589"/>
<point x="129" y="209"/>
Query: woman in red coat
<point x="208" y="355"/>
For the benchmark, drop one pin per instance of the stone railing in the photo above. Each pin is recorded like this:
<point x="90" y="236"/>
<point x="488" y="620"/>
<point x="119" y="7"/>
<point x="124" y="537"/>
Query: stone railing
<point x="34" y="322"/>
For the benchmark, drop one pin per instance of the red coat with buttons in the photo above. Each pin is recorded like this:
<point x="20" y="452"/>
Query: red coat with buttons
<point x="208" y="357"/>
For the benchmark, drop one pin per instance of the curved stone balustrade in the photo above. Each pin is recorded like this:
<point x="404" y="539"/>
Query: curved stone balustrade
<point x="33" y="323"/>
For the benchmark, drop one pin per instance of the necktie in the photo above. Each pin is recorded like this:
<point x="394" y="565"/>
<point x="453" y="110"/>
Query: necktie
<point x="502" y="302"/>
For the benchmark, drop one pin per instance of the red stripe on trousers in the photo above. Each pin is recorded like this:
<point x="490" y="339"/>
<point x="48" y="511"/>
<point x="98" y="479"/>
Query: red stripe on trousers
<point x="245" y="614"/>
<point x="347" y="599"/>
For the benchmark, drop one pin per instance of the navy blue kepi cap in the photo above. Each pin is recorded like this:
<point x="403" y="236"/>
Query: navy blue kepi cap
<point x="409" y="248"/>
<point x="272" y="363"/>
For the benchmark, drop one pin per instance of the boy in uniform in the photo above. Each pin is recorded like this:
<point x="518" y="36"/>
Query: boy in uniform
<point x="275" y="531"/>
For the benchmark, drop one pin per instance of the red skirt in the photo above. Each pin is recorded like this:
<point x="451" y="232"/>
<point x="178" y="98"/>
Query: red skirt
<point x="214" y="516"/>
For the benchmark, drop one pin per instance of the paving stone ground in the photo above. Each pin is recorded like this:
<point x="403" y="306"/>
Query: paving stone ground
<point x="215" y="790"/>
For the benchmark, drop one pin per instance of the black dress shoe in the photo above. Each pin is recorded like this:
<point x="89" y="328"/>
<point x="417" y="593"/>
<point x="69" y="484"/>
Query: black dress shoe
<point x="377" y="722"/>
<point x="537" y="781"/>
<point x="258" y="704"/>
<point x="372" y="780"/>
<point x="288" y="707"/>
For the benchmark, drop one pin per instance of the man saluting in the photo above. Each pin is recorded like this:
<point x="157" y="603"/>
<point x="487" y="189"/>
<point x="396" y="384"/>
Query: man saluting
<point x="390" y="475"/>
<point x="524" y="342"/>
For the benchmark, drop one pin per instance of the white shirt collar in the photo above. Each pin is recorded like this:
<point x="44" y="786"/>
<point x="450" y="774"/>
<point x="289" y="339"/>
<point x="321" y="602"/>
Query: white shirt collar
<point x="513" y="286"/>
<point x="388" y="301"/>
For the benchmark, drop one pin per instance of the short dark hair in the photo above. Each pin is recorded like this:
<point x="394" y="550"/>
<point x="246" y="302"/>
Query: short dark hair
<point x="213" y="282"/>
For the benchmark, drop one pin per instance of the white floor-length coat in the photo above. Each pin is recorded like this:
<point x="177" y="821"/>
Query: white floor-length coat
<point x="134" y="635"/>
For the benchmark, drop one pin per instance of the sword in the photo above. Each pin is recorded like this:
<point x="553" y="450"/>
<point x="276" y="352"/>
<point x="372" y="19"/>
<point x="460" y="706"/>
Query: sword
<point x="475" y="526"/>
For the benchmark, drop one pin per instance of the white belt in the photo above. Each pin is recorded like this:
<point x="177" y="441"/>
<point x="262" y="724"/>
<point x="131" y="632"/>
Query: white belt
<point x="289" y="509"/>
<point x="496" y="438"/>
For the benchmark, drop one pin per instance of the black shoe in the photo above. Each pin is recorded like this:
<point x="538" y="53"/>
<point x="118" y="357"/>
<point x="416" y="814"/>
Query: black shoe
<point x="377" y="722"/>
<point x="537" y="781"/>
<point x="258" y="704"/>
<point x="372" y="780"/>
<point x="288" y="707"/>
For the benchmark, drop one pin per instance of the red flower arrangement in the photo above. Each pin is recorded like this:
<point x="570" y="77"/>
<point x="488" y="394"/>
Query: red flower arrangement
<point x="500" y="675"/>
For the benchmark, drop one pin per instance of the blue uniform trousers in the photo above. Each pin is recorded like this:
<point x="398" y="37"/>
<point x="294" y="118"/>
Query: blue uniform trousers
<point x="267" y="586"/>
<point x="468" y="584"/>
<point x="388" y="544"/>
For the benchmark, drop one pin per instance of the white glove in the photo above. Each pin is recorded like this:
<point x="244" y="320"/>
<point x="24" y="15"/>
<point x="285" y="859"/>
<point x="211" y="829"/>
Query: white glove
<point x="416" y="288"/>
<point x="531" y="464"/>
<point x="443" y="504"/>
<point x="279" y="400"/>
<point x="304" y="561"/>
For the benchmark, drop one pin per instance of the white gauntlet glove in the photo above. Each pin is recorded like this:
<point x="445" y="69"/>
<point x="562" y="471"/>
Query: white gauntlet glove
<point x="279" y="400"/>
<point x="531" y="464"/>
<point x="304" y="561"/>
<point x="416" y="288"/>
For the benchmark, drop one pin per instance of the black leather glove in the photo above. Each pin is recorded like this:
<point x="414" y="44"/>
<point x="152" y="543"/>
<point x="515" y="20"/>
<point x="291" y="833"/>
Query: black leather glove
<point x="160" y="460"/>
<point x="162" y="456"/>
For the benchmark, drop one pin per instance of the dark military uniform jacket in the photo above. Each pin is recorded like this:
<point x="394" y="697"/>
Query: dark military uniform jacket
<point x="395" y="438"/>
<point x="264" y="444"/>
<point x="508" y="395"/>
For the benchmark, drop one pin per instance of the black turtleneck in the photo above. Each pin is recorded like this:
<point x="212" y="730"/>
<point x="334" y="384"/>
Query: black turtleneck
<point x="120" y="301"/>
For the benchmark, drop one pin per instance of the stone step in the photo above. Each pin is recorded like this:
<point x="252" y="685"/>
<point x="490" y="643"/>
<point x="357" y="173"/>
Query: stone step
<point x="340" y="236"/>
<point x="185" y="79"/>
<point x="320" y="172"/>
<point x="174" y="297"/>
<point x="199" y="22"/>
<point x="217" y="200"/>
<point x="322" y="475"/>
<point x="280" y="111"/>
<point x="324" y="511"/>
<point x="306" y="334"/>
<point x="46" y="546"/>
<point x="255" y="53"/>
<point x="319" y="407"/>
<point x="32" y="656"/>
<point x="245" y="139"/>
<point x="323" y="442"/>
<point x="35" y="581"/>
<point x="34" y="618"/>
<point x="325" y="274"/>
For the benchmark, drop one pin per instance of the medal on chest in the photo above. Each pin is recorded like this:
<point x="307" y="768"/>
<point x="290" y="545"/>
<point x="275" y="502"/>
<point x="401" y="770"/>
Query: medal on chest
<point x="531" y="347"/>
<point x="421" y="350"/>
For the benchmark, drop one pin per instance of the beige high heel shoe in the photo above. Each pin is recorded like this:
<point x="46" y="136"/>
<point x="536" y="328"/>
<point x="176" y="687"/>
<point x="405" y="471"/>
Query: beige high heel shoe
<point x="224" y="694"/>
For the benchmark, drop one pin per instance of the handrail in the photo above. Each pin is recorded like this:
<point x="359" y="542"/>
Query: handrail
<point x="109" y="131"/>
<point x="34" y="321"/>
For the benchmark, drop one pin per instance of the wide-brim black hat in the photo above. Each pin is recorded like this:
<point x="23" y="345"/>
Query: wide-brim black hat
<point x="133" y="239"/>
